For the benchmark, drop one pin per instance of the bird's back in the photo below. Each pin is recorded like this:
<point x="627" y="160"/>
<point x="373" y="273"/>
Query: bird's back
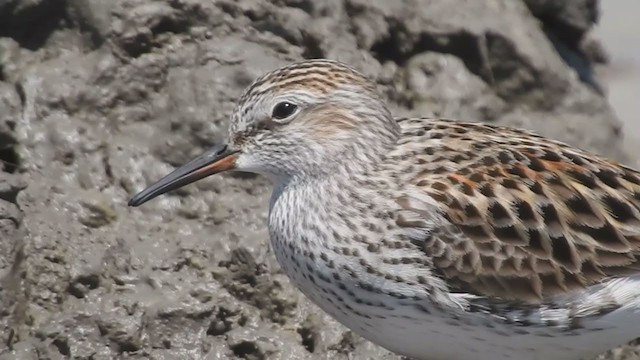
<point x="531" y="218"/>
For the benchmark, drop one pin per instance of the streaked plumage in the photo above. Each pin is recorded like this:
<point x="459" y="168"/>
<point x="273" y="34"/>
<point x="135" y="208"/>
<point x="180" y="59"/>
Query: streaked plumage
<point x="531" y="217"/>
<point x="434" y="238"/>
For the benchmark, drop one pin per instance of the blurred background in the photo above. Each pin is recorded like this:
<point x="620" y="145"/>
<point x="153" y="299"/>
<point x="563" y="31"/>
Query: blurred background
<point x="619" y="30"/>
<point x="100" y="98"/>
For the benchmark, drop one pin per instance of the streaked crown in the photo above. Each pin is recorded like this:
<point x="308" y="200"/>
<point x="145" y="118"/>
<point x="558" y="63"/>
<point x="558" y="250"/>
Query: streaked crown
<point x="307" y="82"/>
<point x="319" y="76"/>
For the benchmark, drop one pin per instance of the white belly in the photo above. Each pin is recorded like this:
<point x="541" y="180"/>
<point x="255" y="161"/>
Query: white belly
<point x="428" y="333"/>
<point x="436" y="335"/>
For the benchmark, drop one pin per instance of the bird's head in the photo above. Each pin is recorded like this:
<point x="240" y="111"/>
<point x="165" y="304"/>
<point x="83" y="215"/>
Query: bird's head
<point x="307" y="119"/>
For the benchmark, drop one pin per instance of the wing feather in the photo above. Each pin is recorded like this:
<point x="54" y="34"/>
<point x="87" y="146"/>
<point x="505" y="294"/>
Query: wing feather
<point x="529" y="217"/>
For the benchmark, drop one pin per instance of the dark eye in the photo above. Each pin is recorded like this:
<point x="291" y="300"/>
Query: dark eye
<point x="284" y="110"/>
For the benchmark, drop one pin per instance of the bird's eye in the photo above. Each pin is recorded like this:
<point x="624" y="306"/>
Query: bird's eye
<point x="283" y="110"/>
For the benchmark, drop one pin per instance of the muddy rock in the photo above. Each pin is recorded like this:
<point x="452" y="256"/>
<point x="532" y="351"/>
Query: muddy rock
<point x="99" y="98"/>
<point x="569" y="20"/>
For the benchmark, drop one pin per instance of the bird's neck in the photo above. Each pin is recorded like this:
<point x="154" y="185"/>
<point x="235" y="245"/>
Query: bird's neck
<point x="311" y="208"/>
<point x="344" y="160"/>
<point x="301" y="204"/>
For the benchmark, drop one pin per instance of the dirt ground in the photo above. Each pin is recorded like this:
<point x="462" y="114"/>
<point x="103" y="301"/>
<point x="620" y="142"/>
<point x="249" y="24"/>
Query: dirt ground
<point x="99" y="98"/>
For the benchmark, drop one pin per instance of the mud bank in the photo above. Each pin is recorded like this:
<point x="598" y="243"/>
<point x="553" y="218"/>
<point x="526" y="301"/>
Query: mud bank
<point x="99" y="98"/>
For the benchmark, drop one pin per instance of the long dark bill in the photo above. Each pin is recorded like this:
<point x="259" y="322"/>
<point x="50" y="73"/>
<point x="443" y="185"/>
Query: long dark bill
<point x="217" y="159"/>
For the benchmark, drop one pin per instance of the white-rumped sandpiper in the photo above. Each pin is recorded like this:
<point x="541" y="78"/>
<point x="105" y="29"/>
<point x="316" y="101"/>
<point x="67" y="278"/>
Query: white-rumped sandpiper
<point x="436" y="239"/>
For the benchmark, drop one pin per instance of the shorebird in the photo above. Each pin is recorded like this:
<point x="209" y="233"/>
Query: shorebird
<point x="435" y="238"/>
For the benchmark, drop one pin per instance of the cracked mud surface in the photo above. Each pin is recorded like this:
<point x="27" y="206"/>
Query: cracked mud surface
<point x="99" y="98"/>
